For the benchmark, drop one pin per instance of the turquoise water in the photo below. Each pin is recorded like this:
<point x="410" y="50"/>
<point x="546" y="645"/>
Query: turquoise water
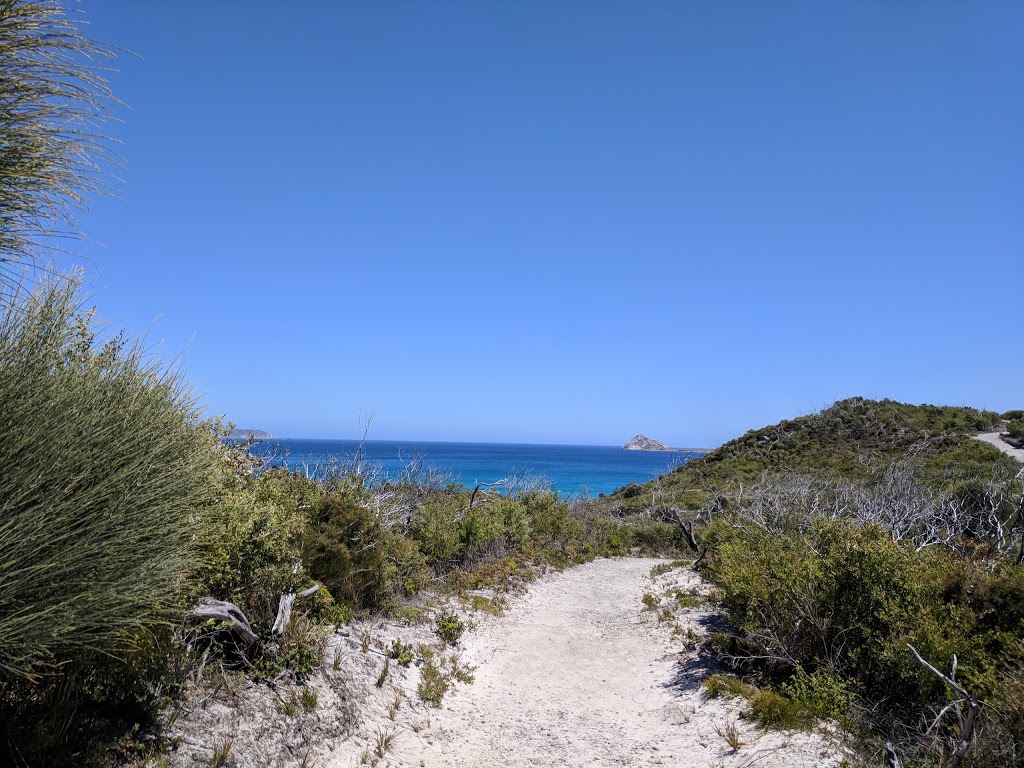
<point x="570" y="469"/>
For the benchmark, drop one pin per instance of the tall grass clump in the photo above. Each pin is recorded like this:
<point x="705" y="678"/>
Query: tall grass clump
<point x="105" y="470"/>
<point x="107" y="480"/>
<point x="53" y="98"/>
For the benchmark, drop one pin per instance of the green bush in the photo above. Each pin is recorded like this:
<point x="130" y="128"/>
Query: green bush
<point x="839" y="603"/>
<point x="251" y="539"/>
<point x="435" y="528"/>
<point x="360" y="561"/>
<point x="108" y="479"/>
<point x="822" y="692"/>
<point x="772" y="710"/>
<point x="106" y="468"/>
<point x="449" y="627"/>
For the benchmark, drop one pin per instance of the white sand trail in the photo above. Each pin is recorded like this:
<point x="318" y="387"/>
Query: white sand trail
<point x="577" y="673"/>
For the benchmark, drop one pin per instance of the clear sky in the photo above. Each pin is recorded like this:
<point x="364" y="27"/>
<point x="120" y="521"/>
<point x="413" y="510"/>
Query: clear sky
<point x="567" y="222"/>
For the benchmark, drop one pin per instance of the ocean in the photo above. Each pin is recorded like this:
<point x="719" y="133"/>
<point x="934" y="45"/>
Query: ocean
<point x="572" y="470"/>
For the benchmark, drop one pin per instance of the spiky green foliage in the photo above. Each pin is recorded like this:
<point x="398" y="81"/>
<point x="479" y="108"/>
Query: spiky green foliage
<point x="106" y="468"/>
<point x="53" y="100"/>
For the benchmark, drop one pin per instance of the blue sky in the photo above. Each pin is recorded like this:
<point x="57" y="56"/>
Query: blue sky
<point x="567" y="222"/>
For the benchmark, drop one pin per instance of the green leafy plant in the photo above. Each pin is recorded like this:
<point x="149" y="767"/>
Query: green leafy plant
<point x="438" y="674"/>
<point x="449" y="627"/>
<point x="401" y="652"/>
<point x="383" y="676"/>
<point x="822" y="692"/>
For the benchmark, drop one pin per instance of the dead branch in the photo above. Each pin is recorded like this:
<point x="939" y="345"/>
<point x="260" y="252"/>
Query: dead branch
<point x="963" y="742"/>
<point x="472" y="496"/>
<point x="284" y="608"/>
<point x="224" y="613"/>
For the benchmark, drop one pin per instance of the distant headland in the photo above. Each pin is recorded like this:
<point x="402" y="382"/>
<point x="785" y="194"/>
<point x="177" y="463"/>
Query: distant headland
<point x="245" y="434"/>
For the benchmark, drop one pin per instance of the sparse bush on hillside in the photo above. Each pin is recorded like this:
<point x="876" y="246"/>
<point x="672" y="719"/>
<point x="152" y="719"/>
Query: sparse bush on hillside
<point x="836" y="539"/>
<point x="848" y="440"/>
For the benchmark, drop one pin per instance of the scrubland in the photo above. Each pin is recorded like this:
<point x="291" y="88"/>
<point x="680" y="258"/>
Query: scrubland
<point x="863" y="565"/>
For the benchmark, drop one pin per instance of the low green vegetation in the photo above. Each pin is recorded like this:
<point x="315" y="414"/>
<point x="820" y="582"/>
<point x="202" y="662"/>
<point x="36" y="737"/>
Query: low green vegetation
<point x="850" y="440"/>
<point x="438" y="675"/>
<point x="122" y="509"/>
<point x="843" y="545"/>
<point x="1015" y="428"/>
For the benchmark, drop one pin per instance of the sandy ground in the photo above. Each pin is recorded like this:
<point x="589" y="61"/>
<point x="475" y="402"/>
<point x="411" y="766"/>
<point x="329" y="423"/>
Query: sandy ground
<point x="594" y="666"/>
<point x="579" y="673"/>
<point x="995" y="438"/>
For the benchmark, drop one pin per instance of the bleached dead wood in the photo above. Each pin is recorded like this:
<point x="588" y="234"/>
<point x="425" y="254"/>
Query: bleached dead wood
<point x="234" y="620"/>
<point x="226" y="613"/>
<point x="967" y="722"/>
<point x="284" y="608"/>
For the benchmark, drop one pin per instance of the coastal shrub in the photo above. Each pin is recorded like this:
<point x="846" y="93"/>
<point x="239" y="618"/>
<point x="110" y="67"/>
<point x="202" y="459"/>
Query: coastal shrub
<point x="347" y="548"/>
<point x="251" y="540"/>
<point x="449" y="627"/>
<point x="836" y="604"/>
<point x="551" y="521"/>
<point x="106" y="467"/>
<point x="821" y="692"/>
<point x="435" y="528"/>
<point x="631" y="491"/>
<point x="1015" y="429"/>
<point x="108" y="473"/>
<point x="850" y="439"/>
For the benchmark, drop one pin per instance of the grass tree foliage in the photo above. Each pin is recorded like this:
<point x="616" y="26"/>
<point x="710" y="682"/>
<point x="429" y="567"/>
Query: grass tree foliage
<point x="107" y="480"/>
<point x="53" y="102"/>
<point x="106" y="469"/>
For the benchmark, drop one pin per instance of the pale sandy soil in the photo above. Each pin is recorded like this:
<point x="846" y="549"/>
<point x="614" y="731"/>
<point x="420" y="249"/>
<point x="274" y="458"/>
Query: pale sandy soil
<point x="577" y="672"/>
<point x="994" y="438"/>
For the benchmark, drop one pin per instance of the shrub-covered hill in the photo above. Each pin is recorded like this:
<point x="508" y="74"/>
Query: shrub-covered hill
<point x="852" y="549"/>
<point x="851" y="439"/>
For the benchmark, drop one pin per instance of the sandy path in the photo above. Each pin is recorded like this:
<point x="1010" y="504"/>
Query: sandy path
<point x="993" y="438"/>
<point x="578" y="674"/>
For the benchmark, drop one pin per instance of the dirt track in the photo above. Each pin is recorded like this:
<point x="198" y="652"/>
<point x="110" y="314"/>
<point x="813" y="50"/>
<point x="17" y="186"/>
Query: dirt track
<point x="577" y="673"/>
<point x="994" y="438"/>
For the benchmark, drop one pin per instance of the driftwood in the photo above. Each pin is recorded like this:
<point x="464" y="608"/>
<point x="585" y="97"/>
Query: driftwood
<point x="234" y="621"/>
<point x="225" y="613"/>
<point x="691" y="538"/>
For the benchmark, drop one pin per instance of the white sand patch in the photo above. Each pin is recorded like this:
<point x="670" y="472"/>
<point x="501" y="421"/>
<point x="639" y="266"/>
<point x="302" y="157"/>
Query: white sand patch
<point x="577" y="673"/>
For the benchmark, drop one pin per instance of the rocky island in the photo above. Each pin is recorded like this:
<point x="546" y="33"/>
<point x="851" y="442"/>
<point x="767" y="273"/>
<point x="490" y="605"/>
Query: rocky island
<point x="643" y="443"/>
